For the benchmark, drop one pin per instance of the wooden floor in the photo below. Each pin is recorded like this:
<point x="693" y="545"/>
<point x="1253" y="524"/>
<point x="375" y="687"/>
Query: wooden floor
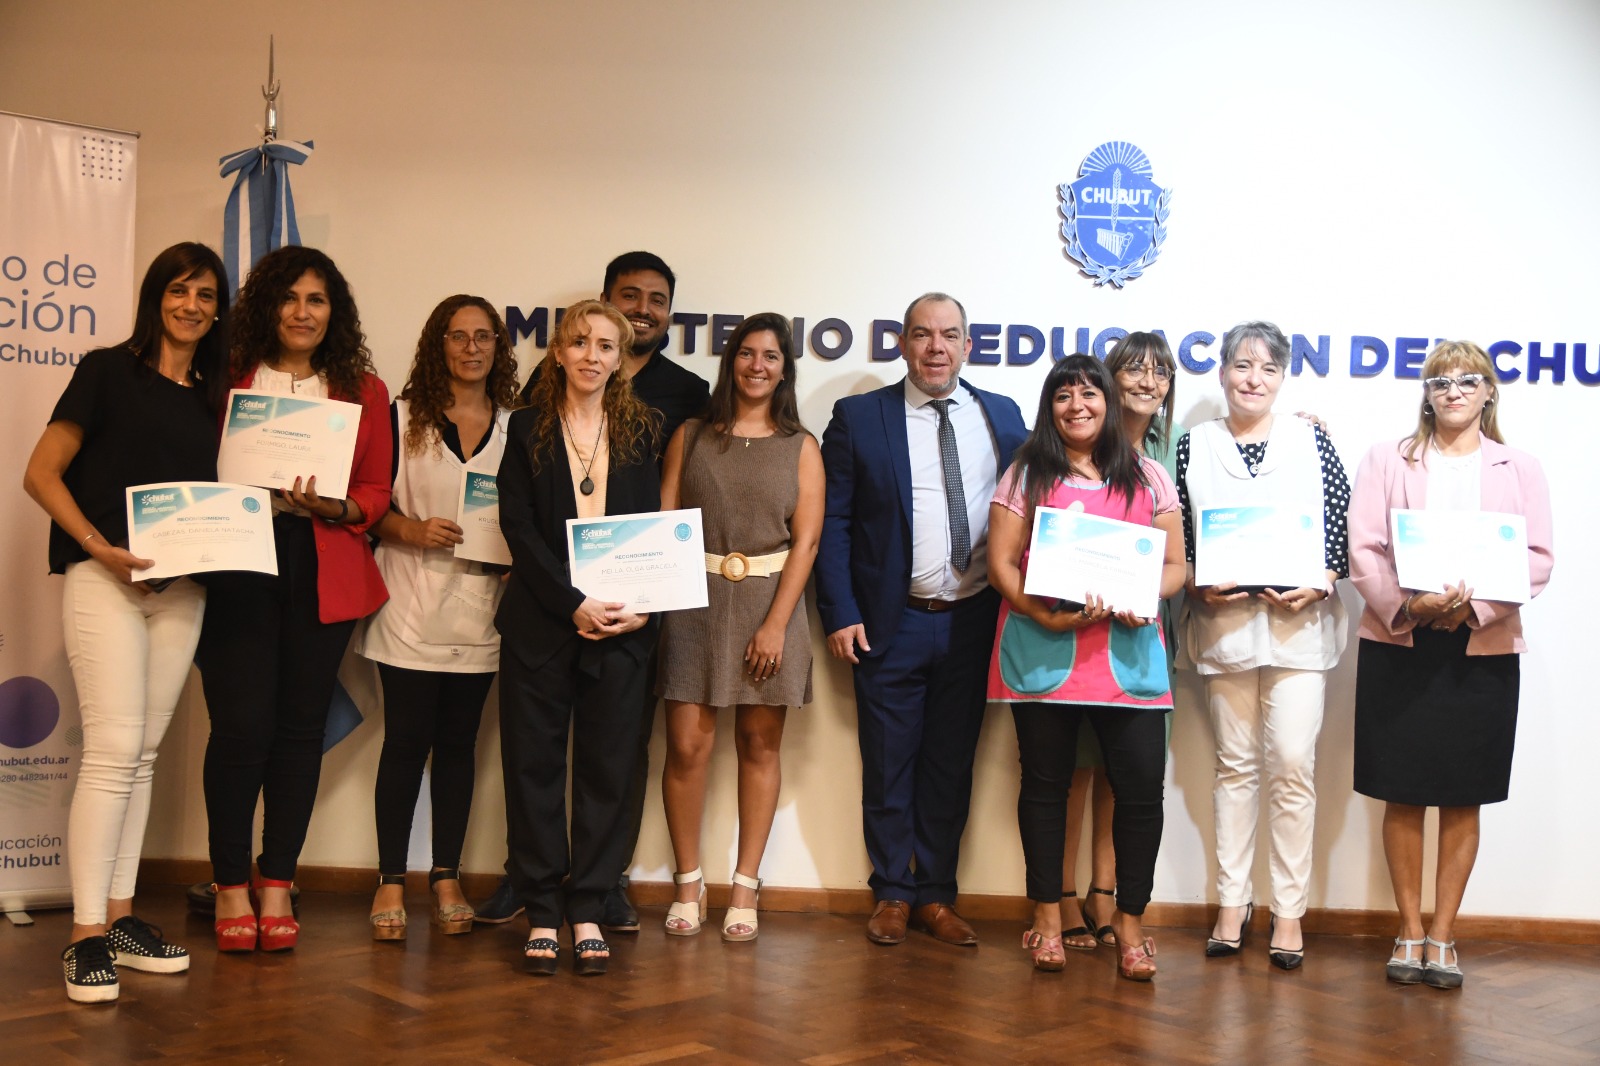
<point x="811" y="990"/>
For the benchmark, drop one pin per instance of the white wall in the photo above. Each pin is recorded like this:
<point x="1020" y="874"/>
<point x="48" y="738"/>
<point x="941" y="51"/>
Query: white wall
<point x="1393" y="169"/>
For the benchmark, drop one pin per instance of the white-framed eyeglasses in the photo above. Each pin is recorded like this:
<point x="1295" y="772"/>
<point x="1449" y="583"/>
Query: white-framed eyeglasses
<point x="1467" y="383"/>
<point x="460" y="338"/>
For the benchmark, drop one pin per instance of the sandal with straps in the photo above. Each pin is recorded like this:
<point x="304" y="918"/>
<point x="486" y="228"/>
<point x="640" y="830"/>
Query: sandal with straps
<point x="590" y="965"/>
<point x="745" y="916"/>
<point x="1078" y="932"/>
<point x="1403" y="969"/>
<point x="541" y="965"/>
<point x="279" y="932"/>
<point x="1137" y="963"/>
<point x="239" y="932"/>
<point x="1441" y="974"/>
<point x="688" y="915"/>
<point x="1048" y="954"/>
<point x="451" y="918"/>
<point x="1103" y="933"/>
<point x="389" y="924"/>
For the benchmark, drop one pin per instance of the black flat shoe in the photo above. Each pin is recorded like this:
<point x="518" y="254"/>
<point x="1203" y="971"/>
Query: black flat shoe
<point x="590" y="965"/>
<point x="541" y="965"/>
<point x="1284" y="958"/>
<point x="1221" y="949"/>
<point x="617" y="913"/>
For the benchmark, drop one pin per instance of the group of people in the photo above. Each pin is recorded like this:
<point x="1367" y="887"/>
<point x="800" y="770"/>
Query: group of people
<point x="917" y="509"/>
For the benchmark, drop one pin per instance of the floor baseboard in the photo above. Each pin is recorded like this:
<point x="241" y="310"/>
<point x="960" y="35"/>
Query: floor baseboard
<point x="859" y="901"/>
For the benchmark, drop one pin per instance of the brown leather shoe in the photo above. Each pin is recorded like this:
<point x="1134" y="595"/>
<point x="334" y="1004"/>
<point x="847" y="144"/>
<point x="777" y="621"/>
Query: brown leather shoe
<point x="940" y="921"/>
<point x="888" y="922"/>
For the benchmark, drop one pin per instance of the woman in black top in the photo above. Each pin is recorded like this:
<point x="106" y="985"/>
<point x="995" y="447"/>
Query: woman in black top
<point x="141" y="412"/>
<point x="585" y="448"/>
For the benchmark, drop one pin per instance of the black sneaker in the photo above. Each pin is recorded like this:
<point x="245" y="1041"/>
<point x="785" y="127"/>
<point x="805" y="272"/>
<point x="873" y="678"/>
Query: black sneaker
<point x="500" y="907"/>
<point x="138" y="945"/>
<point x="618" y="915"/>
<point x="91" y="975"/>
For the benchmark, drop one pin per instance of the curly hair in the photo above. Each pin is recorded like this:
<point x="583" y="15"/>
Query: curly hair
<point x="427" y="388"/>
<point x="342" y="358"/>
<point x="631" y="426"/>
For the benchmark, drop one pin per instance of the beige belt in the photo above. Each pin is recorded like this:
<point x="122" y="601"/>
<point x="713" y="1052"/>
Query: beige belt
<point x="736" y="566"/>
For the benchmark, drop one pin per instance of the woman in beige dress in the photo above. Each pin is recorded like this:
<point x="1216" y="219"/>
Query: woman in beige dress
<point x="756" y="475"/>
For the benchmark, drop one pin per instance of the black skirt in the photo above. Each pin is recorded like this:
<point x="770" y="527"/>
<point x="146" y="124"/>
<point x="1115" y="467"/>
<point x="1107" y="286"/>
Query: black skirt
<point x="1435" y="727"/>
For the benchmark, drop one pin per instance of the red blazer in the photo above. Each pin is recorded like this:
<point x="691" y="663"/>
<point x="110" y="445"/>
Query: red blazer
<point x="348" y="583"/>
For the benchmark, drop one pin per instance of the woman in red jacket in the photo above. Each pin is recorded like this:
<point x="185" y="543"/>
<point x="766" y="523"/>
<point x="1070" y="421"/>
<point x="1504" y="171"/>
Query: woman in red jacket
<point x="270" y="647"/>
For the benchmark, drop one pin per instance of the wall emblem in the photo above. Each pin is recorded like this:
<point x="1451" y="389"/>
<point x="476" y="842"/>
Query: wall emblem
<point x="1114" y="217"/>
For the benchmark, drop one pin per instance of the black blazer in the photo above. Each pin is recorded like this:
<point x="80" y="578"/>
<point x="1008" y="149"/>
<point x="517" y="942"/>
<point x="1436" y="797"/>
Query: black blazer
<point x="535" y="615"/>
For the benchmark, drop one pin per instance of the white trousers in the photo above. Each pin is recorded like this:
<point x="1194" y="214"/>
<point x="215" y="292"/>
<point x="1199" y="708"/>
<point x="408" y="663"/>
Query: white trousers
<point x="130" y="654"/>
<point x="1266" y="719"/>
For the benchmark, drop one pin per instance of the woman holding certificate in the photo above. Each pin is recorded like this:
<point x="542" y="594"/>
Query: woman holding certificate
<point x="141" y="412"/>
<point x="1262" y="642"/>
<point x="1144" y="370"/>
<point x="270" y="648"/>
<point x="434" y="640"/>
<point x="1438" y="672"/>
<point x="584" y="448"/>
<point x="1060" y="664"/>
<point x="756" y="475"/>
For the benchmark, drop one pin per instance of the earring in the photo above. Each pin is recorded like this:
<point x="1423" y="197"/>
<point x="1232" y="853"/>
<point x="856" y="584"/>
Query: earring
<point x="1489" y="401"/>
<point x="1427" y="409"/>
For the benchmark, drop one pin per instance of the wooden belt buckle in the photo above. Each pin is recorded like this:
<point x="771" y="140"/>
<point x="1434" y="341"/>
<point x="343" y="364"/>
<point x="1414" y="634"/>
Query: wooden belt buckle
<point x="736" y="566"/>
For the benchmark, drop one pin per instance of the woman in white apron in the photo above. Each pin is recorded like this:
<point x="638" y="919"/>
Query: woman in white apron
<point x="434" y="642"/>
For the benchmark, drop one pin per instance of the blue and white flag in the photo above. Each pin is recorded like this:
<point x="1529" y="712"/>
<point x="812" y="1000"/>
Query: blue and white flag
<point x="259" y="217"/>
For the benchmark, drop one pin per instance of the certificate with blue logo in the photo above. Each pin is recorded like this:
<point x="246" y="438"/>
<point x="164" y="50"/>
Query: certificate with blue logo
<point x="1260" y="546"/>
<point x="194" y="527"/>
<point x="269" y="439"/>
<point x="1075" y="554"/>
<point x="478" y="515"/>
<point x="1486" y="549"/>
<point x="650" y="562"/>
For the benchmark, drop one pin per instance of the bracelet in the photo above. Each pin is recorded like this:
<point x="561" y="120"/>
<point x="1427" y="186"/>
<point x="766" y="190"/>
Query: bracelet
<point x="344" y="512"/>
<point x="1405" y="608"/>
<point x="84" y="543"/>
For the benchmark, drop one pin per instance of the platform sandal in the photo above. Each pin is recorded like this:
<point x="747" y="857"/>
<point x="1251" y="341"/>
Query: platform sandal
<point x="690" y="914"/>
<point x="389" y="924"/>
<point x="452" y="919"/>
<point x="745" y="916"/>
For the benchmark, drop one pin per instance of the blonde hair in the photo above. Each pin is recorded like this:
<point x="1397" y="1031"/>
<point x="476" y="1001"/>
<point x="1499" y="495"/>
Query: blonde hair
<point x="1459" y="356"/>
<point x="631" y="427"/>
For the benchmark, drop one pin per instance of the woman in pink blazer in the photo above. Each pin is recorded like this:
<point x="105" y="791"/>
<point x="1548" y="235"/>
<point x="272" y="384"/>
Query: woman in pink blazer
<point x="1437" y="674"/>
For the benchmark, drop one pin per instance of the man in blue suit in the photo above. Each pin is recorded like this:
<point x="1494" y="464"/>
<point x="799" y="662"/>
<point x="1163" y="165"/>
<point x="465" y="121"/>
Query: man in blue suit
<point x="903" y="590"/>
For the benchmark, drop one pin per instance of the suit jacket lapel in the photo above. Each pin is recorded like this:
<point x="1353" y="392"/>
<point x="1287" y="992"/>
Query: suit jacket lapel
<point x="894" y="430"/>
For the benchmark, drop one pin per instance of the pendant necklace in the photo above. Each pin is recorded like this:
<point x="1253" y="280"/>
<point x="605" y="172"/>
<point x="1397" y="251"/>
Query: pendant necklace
<point x="586" y="486"/>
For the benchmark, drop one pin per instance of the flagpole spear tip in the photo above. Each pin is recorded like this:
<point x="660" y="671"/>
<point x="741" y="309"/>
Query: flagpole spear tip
<point x="269" y="92"/>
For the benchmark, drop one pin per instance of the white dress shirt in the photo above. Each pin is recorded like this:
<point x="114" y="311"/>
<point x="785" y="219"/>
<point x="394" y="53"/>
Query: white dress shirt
<point x="932" y="576"/>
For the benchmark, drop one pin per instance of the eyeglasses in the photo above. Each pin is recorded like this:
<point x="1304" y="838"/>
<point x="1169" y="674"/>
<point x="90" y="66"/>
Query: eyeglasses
<point x="1135" y="371"/>
<point x="1467" y="383"/>
<point x="482" y="338"/>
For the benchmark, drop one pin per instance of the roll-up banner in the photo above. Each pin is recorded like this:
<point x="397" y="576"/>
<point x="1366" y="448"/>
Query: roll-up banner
<point x="67" y="285"/>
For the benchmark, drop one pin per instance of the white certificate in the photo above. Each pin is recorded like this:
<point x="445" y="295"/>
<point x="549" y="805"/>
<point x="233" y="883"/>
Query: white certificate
<point x="269" y="440"/>
<point x="650" y="562"/>
<point x="1486" y="549"/>
<point x="1074" y="554"/>
<point x="1259" y="546"/>
<point x="478" y="515"/>
<point x="193" y="527"/>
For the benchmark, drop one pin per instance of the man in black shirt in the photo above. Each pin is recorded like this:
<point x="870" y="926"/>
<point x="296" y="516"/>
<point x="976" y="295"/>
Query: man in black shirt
<point x="640" y="285"/>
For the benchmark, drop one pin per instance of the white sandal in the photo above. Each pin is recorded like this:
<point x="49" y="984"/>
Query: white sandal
<point x="742" y="915"/>
<point x="691" y="914"/>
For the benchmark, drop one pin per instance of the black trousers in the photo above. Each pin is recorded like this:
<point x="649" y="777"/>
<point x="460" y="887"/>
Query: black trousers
<point x="1134" y="743"/>
<point x="423" y="711"/>
<point x="592" y="692"/>
<point x="268" y="667"/>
